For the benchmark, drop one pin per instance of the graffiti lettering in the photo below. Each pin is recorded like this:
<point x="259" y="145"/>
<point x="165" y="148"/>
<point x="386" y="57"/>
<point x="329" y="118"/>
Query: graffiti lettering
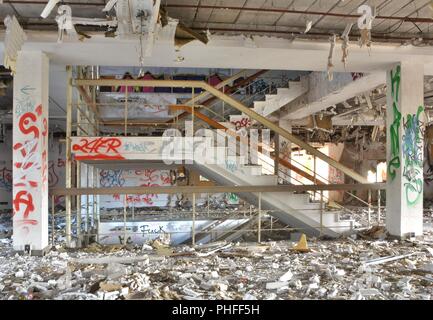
<point x="150" y="175"/>
<point x="25" y="121"/>
<point x="231" y="165"/>
<point x="412" y="155"/>
<point x="25" y="198"/>
<point x="232" y="198"/>
<point x="31" y="156"/>
<point x="242" y="123"/>
<point x="394" y="163"/>
<point x="30" y="159"/>
<point x="145" y="229"/>
<point x="139" y="147"/>
<point x="111" y="178"/>
<point x="98" y="149"/>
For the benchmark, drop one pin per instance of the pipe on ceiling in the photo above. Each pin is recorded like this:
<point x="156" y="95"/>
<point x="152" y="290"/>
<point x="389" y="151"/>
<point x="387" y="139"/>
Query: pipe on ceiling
<point x="256" y="9"/>
<point x="278" y="10"/>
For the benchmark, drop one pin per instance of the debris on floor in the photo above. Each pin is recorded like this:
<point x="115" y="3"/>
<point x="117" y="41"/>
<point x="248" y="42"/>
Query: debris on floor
<point x="364" y="265"/>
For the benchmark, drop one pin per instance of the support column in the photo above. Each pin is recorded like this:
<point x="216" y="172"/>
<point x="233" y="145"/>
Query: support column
<point x="30" y="153"/>
<point x="405" y="140"/>
<point x="285" y="149"/>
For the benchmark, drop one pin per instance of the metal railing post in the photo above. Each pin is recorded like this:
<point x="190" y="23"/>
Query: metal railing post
<point x="52" y="220"/>
<point x="369" y="208"/>
<point x="321" y="213"/>
<point x="208" y="205"/>
<point x="193" y="220"/>
<point x="259" y="226"/>
<point x="124" y="219"/>
<point x="378" y="207"/>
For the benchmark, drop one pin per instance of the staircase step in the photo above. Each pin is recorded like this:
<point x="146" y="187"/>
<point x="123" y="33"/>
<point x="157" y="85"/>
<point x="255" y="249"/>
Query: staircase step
<point x="255" y="170"/>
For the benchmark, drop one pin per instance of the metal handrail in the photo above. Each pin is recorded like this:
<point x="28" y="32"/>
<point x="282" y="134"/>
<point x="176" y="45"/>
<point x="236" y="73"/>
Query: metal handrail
<point x="310" y="192"/>
<point x="251" y="96"/>
<point x="325" y="180"/>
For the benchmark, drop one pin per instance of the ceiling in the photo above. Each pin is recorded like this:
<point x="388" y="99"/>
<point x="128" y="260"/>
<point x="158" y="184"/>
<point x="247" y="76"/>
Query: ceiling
<point x="272" y="17"/>
<point x="247" y="34"/>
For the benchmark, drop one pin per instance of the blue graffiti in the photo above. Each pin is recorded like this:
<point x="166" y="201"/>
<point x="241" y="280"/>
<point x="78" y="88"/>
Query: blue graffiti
<point x="413" y="158"/>
<point x="111" y="178"/>
<point x="139" y="147"/>
<point x="231" y="165"/>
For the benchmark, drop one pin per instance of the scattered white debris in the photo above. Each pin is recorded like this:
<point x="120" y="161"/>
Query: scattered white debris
<point x="286" y="277"/>
<point x="19" y="274"/>
<point x="276" y="285"/>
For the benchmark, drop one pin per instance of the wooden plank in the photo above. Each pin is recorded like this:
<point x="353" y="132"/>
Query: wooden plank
<point x="88" y="100"/>
<point x="214" y="189"/>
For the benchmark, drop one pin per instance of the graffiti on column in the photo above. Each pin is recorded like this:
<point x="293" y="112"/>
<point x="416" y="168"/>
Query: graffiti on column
<point x="394" y="163"/>
<point x="412" y="155"/>
<point x="28" y="159"/>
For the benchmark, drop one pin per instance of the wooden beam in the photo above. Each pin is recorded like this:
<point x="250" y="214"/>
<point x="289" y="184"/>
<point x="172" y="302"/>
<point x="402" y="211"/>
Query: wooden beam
<point x="235" y="104"/>
<point x="214" y="189"/>
<point x="240" y="84"/>
<point x="220" y="85"/>
<point x="201" y="116"/>
<point x="88" y="100"/>
<point x="115" y="123"/>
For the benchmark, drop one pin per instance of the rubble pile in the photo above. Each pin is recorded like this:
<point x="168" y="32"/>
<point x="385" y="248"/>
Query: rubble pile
<point x="338" y="269"/>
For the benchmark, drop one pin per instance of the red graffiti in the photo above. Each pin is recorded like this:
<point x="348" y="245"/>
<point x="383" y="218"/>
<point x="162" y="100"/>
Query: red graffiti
<point x="26" y="150"/>
<point x="44" y="168"/>
<point x="150" y="175"/>
<point x="144" y="198"/>
<point x="45" y="124"/>
<point x="98" y="149"/>
<point x="25" y="121"/>
<point x="165" y="178"/>
<point x="25" y="198"/>
<point x="25" y="222"/>
<point x="243" y="123"/>
<point x="39" y="110"/>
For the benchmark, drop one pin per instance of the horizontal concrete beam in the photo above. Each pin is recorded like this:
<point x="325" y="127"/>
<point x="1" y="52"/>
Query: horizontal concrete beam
<point x="224" y="51"/>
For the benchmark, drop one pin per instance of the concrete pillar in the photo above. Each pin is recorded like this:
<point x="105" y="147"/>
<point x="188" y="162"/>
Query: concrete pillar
<point x="30" y="155"/>
<point x="285" y="147"/>
<point x="404" y="151"/>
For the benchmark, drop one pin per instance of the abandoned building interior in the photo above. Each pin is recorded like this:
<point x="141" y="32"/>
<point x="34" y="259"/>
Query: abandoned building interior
<point x="216" y="149"/>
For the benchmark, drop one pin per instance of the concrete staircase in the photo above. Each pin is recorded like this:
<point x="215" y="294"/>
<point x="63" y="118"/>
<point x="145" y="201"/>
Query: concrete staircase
<point x="293" y="209"/>
<point x="274" y="102"/>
